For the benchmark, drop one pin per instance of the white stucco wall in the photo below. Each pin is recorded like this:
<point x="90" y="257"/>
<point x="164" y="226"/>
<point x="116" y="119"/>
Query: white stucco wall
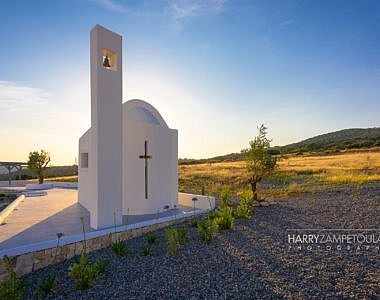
<point x="85" y="192"/>
<point x="143" y="123"/>
<point x="100" y="186"/>
<point x="161" y="178"/>
<point x="107" y="122"/>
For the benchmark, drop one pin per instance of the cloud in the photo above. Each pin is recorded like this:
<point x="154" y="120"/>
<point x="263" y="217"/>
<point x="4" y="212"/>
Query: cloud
<point x="286" y="22"/>
<point x="176" y="9"/>
<point x="184" y="9"/>
<point x="111" y="5"/>
<point x="14" y="96"/>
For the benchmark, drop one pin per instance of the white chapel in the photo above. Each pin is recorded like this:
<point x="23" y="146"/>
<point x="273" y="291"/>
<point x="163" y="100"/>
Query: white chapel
<point x="128" y="159"/>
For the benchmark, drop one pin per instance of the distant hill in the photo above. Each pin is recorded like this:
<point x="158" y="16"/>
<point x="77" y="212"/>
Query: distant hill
<point x="227" y="157"/>
<point x="354" y="138"/>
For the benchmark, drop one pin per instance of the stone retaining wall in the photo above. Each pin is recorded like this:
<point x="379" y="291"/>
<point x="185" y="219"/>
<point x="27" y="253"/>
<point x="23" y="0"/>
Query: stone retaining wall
<point x="29" y="262"/>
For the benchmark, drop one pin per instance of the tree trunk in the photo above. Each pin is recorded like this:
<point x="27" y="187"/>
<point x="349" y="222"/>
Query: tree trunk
<point x="254" y="189"/>
<point x="41" y="179"/>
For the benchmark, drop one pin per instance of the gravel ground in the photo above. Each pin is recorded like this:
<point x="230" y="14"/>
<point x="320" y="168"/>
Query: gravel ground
<point x="254" y="260"/>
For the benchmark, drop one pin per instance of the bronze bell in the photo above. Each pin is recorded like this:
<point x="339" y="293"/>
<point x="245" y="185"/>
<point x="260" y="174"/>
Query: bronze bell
<point x="106" y="62"/>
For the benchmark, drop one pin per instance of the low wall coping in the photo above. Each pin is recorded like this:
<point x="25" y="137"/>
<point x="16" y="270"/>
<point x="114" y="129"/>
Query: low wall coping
<point x="6" y="211"/>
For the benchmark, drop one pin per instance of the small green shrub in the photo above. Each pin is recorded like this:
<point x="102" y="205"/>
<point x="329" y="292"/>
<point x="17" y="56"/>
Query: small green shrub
<point x="13" y="288"/>
<point x="152" y="239"/>
<point x="246" y="205"/>
<point x="246" y="197"/>
<point x="84" y="273"/>
<point x="193" y="223"/>
<point x="242" y="212"/>
<point x="211" y="215"/>
<point x="46" y="285"/>
<point x="119" y="247"/>
<point x="172" y="240"/>
<point x="101" y="266"/>
<point x="183" y="235"/>
<point x="146" y="250"/>
<point x="225" y="194"/>
<point x="224" y="218"/>
<point x="206" y="230"/>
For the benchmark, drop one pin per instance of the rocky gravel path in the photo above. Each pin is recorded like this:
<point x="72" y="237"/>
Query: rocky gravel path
<point x="254" y="260"/>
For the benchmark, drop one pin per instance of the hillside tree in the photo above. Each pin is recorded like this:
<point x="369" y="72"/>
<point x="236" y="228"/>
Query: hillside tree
<point x="260" y="163"/>
<point x="38" y="162"/>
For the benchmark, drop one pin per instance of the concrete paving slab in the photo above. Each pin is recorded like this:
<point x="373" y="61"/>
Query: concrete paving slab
<point x="39" y="219"/>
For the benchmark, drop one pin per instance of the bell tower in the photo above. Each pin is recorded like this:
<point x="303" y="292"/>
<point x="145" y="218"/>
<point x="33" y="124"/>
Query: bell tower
<point x="105" y="159"/>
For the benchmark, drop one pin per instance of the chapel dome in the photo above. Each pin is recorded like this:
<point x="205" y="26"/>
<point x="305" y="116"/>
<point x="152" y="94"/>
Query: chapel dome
<point x="139" y="111"/>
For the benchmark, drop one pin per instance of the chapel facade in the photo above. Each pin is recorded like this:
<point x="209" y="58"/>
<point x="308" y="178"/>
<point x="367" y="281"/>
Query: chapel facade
<point x="128" y="159"/>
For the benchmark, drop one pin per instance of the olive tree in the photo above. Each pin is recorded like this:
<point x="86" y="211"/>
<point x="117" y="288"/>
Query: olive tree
<point x="259" y="161"/>
<point x="37" y="162"/>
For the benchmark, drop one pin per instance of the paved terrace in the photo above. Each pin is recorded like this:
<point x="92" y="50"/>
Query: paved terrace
<point x="39" y="219"/>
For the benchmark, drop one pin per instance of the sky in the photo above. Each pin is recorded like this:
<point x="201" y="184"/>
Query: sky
<point x="214" y="69"/>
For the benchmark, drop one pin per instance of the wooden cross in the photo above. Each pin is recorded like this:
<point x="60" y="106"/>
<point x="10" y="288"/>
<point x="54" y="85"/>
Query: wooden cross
<point x="146" y="157"/>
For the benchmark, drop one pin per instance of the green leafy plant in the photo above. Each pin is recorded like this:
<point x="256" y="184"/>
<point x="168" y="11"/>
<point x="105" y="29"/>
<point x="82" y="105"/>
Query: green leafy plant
<point x="211" y="215"/>
<point x="224" y="218"/>
<point x="206" y="230"/>
<point x="152" y="239"/>
<point x="242" y="212"/>
<point x="183" y="235"/>
<point x="225" y="194"/>
<point x="119" y="246"/>
<point x="193" y="223"/>
<point x="246" y="205"/>
<point x="84" y="272"/>
<point x="46" y="285"/>
<point x="247" y="198"/>
<point x="12" y="288"/>
<point x="146" y="250"/>
<point x="101" y="266"/>
<point x="172" y="240"/>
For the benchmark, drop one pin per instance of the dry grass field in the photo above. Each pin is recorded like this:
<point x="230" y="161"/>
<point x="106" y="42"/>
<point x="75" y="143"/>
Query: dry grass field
<point x="295" y="174"/>
<point x="344" y="161"/>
